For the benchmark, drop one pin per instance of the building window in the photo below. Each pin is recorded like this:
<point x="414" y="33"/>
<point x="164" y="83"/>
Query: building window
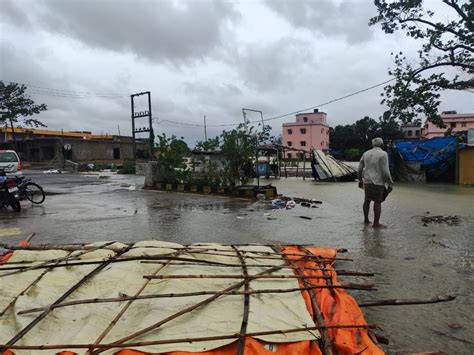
<point x="290" y="143"/>
<point x="305" y="119"/>
<point x="322" y="130"/>
<point x="417" y="132"/>
<point x="463" y="124"/>
<point x="303" y="130"/>
<point x="290" y="131"/>
<point x="453" y="124"/>
<point x="409" y="133"/>
<point x="303" y="143"/>
<point x="289" y="155"/>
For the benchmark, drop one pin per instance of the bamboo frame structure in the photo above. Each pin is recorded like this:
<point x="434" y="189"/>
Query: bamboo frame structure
<point x="188" y="256"/>
<point x="318" y="317"/>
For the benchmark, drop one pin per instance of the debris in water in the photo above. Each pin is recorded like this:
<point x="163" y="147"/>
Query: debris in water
<point x="449" y="220"/>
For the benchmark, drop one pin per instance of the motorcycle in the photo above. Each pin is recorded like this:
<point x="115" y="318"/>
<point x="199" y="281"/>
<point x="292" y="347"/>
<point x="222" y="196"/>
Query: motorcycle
<point x="9" y="193"/>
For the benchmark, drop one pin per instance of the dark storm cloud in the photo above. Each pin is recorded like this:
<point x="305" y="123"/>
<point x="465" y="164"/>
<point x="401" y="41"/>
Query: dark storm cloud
<point x="273" y="66"/>
<point x="156" y="30"/>
<point x="348" y="19"/>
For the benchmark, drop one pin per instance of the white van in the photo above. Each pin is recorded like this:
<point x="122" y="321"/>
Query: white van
<point x="10" y="163"/>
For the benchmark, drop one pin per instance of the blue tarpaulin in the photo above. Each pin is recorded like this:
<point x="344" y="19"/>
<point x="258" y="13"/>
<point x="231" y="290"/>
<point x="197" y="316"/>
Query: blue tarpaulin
<point x="427" y="151"/>
<point x="434" y="157"/>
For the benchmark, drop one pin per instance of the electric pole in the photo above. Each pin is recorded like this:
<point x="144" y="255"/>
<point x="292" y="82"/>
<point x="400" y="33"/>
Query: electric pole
<point x="135" y="115"/>
<point x="205" y="129"/>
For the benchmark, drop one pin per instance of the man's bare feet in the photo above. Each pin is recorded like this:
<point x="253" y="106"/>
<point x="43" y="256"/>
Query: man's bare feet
<point x="366" y="221"/>
<point x="378" y="225"/>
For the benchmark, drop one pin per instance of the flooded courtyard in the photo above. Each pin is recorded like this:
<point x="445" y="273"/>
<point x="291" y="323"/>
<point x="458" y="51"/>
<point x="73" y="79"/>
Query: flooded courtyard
<point x="411" y="259"/>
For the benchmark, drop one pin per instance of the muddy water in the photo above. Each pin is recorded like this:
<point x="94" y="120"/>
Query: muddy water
<point x="412" y="260"/>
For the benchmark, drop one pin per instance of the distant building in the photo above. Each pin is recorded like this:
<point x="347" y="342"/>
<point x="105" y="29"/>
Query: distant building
<point x="454" y="122"/>
<point x="310" y="131"/>
<point x="411" y="130"/>
<point x="39" y="145"/>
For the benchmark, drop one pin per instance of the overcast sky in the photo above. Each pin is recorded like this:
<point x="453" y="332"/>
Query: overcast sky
<point x="199" y="58"/>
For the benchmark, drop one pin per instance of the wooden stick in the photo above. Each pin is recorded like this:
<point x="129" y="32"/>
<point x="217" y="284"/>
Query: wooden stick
<point x="363" y="286"/>
<point x="188" y="309"/>
<point x="402" y="302"/>
<point x="85" y="246"/>
<point x="329" y="280"/>
<point x="245" y="317"/>
<point x="163" y="277"/>
<point x="48" y="263"/>
<point x="318" y="317"/>
<point x="198" y="251"/>
<point x="187" y="294"/>
<point x="150" y="259"/>
<point x="181" y="340"/>
<point x="28" y="239"/>
<point x="129" y="303"/>
<point x="124" y="259"/>
<point x="87" y="277"/>
<point x="35" y="281"/>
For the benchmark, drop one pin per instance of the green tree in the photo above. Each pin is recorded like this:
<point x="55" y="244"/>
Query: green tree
<point x="18" y="106"/>
<point x="238" y="149"/>
<point x="448" y="43"/>
<point x="209" y="145"/>
<point x="171" y="166"/>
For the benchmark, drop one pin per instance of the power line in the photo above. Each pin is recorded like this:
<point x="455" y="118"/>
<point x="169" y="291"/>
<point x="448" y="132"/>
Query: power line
<point x="67" y="93"/>
<point x="286" y="114"/>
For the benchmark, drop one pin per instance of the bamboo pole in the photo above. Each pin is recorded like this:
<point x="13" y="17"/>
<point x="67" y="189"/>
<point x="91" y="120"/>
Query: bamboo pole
<point x="338" y="271"/>
<point x="403" y="302"/>
<point x="83" y="246"/>
<point x="181" y="340"/>
<point x="318" y="317"/>
<point x="31" y="236"/>
<point x="187" y="310"/>
<point x="329" y="280"/>
<point x="216" y="252"/>
<point x="87" y="277"/>
<point x="164" y="277"/>
<point x="245" y="317"/>
<point x="48" y="263"/>
<point x="188" y="294"/>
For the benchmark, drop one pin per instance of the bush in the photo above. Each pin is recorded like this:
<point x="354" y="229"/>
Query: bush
<point x="128" y="167"/>
<point x="352" y="154"/>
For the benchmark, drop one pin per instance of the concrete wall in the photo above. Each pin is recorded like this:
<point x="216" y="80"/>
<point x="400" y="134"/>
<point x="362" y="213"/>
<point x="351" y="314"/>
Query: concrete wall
<point x="466" y="166"/>
<point x="85" y="150"/>
<point x="47" y="149"/>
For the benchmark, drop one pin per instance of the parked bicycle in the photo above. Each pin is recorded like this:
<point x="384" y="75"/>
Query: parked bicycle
<point x="30" y="190"/>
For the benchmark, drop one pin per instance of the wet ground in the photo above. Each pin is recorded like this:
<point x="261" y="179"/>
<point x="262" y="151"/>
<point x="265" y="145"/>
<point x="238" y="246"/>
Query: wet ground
<point x="412" y="260"/>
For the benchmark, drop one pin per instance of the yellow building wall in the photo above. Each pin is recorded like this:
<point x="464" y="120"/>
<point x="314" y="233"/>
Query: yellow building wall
<point x="466" y="166"/>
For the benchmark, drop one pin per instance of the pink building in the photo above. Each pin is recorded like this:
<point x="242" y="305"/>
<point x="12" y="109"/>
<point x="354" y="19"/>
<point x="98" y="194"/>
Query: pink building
<point x="458" y="122"/>
<point x="310" y="131"/>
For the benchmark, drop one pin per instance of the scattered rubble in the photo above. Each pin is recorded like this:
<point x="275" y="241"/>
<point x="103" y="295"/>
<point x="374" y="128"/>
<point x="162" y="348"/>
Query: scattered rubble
<point x="449" y="220"/>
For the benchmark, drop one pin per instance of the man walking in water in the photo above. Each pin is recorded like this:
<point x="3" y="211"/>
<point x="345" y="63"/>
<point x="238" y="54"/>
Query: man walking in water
<point x="374" y="178"/>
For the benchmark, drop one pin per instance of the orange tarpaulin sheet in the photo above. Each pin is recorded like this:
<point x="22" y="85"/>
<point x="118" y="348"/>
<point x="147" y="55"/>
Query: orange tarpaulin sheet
<point x="336" y="305"/>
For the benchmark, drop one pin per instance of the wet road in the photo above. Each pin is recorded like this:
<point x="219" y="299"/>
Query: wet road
<point x="412" y="260"/>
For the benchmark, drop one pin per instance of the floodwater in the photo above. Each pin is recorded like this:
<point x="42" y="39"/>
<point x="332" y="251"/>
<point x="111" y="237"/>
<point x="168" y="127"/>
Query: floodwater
<point x="411" y="260"/>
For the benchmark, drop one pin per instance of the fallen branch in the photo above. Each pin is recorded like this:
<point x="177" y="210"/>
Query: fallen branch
<point x="180" y="340"/>
<point x="403" y="302"/>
